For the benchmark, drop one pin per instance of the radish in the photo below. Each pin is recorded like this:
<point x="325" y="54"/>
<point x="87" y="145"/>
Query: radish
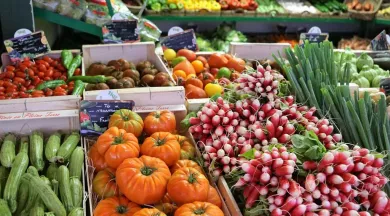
<point x="307" y="197"/>
<point x="276" y="212"/>
<point x="338" y="210"/>
<point x="335" y="179"/>
<point x="253" y="196"/>
<point x="326" y="204"/>
<point x="350" y="213"/>
<point x="310" y="183"/>
<point x="285" y="170"/>
<point x="299" y="210"/>
<point x="270" y="129"/>
<point x="311" y="206"/>
<point x="324" y="212"/>
<point x="364" y="213"/>
<point x="278" y="200"/>
<point x="281" y="192"/>
<point x="263" y="190"/>
<point x="278" y="162"/>
<point x="329" y="170"/>
<point x="321" y="177"/>
<point x="324" y="189"/>
<point x="294" y="190"/>
<point x="265" y="178"/>
<point x="289" y="204"/>
<point x="326" y="160"/>
<point x="240" y="183"/>
<point x="284" y="183"/>
<point x="247" y="190"/>
<point x="345" y="187"/>
<point x="350" y="206"/>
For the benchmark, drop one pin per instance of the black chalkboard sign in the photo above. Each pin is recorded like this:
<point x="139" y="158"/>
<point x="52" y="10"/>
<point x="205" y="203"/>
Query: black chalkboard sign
<point x="379" y="43"/>
<point x="313" y="37"/>
<point x="31" y="46"/>
<point x="94" y="115"/>
<point x="120" y="31"/>
<point x="182" y="40"/>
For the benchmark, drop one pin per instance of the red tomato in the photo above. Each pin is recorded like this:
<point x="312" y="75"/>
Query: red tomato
<point x="42" y="68"/>
<point x="10" y="68"/>
<point x="56" y="74"/>
<point x="30" y="87"/>
<point x="36" y="80"/>
<point x="23" y="94"/>
<point x="47" y="59"/>
<point x="7" y="83"/>
<point x="41" y="75"/>
<point x="27" y="63"/>
<point x="30" y="73"/>
<point x="9" y="74"/>
<point x="63" y="77"/>
<point x="23" y="67"/>
<point x="2" y="93"/>
<point x="22" y="88"/>
<point x="54" y="63"/>
<point x="49" y="73"/>
<point x="2" y="89"/>
<point x="19" y="80"/>
<point x="27" y="83"/>
<point x="2" y="97"/>
<point x="1" y="83"/>
<point x="64" y="86"/>
<point x="59" y="93"/>
<point x="61" y="68"/>
<point x="77" y="72"/>
<point x="2" y="76"/>
<point x="49" y="92"/>
<point x="11" y="89"/>
<point x="47" y="78"/>
<point x="20" y="74"/>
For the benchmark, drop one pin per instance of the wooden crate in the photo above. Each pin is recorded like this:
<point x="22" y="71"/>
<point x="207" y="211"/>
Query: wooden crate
<point x="39" y="104"/>
<point x="257" y="51"/>
<point x="46" y="121"/>
<point x="178" y="111"/>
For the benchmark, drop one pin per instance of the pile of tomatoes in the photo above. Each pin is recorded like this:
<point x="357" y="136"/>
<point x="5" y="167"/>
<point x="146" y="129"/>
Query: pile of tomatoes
<point x="20" y="80"/>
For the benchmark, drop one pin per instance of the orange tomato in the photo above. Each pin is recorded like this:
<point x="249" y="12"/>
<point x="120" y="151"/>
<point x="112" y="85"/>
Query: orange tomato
<point x="190" y="76"/>
<point x="188" y="54"/>
<point x="195" y="81"/>
<point x="198" y="66"/>
<point x="202" y="59"/>
<point x="179" y="73"/>
<point x="185" y="66"/>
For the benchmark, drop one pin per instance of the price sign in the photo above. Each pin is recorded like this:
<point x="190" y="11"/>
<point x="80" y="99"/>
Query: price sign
<point x="380" y="42"/>
<point x="182" y="40"/>
<point x="30" y="45"/>
<point x="120" y="31"/>
<point x="94" y="115"/>
<point x="313" y="37"/>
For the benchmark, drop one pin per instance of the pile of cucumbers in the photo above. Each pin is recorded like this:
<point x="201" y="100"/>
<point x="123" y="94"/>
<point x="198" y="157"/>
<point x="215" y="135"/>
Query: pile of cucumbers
<point x="41" y="177"/>
<point x="332" y="6"/>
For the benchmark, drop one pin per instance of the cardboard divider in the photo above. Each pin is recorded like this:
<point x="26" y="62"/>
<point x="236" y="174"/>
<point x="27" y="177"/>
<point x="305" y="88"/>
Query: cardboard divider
<point x="257" y="51"/>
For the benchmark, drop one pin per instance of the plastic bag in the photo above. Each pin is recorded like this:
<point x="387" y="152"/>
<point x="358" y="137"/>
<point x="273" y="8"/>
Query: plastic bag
<point x="50" y="5"/>
<point x="148" y="31"/>
<point x="72" y="8"/>
<point x="97" y="14"/>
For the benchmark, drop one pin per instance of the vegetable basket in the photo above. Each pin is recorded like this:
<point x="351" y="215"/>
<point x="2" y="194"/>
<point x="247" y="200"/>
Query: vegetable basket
<point x="385" y="15"/>
<point x="365" y="15"/>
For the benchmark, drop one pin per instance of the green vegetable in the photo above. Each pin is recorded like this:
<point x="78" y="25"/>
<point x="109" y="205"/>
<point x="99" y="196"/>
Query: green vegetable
<point x="66" y="58"/>
<point x="18" y="168"/>
<point x="51" y="171"/>
<point x="156" y="7"/>
<point x="185" y="123"/>
<point x="23" y="194"/>
<point x="3" y="179"/>
<point x="37" y="211"/>
<point x="76" y="188"/>
<point x="50" y="84"/>
<point x="4" y="210"/>
<point x="376" y="81"/>
<point x="66" y="149"/>
<point x="172" y="6"/>
<point x="23" y="146"/>
<point x="54" y="184"/>
<point x="36" y="150"/>
<point x="369" y="74"/>
<point x="364" y="59"/>
<point x="76" y="162"/>
<point x="76" y="62"/>
<point x="90" y="79"/>
<point x="77" y="212"/>
<point x="308" y="147"/>
<point x="78" y="88"/>
<point x="7" y="153"/>
<point x="52" y="146"/>
<point x="64" y="186"/>
<point x="361" y="81"/>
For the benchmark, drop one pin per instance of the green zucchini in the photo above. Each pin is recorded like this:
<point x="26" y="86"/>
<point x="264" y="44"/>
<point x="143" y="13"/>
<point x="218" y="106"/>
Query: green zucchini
<point x="3" y="179"/>
<point x="52" y="146"/>
<point x="37" y="211"/>
<point x="51" y="171"/>
<point x="36" y="150"/>
<point x="76" y="163"/>
<point x="47" y="195"/>
<point x="66" y="149"/>
<point x="54" y="184"/>
<point x="7" y="152"/>
<point x="4" y="210"/>
<point x="23" y="194"/>
<point x="76" y="188"/>
<point x="23" y="144"/>
<point x="49" y="214"/>
<point x="64" y="186"/>
<point x="11" y="187"/>
<point x="32" y="193"/>
<point x="33" y="171"/>
<point x="77" y="212"/>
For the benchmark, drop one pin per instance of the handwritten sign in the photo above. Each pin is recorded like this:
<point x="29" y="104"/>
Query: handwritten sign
<point x="94" y="115"/>
<point x="30" y="45"/>
<point x="380" y="42"/>
<point x="182" y="40"/>
<point x="120" y="31"/>
<point x="313" y="37"/>
<point x="37" y="115"/>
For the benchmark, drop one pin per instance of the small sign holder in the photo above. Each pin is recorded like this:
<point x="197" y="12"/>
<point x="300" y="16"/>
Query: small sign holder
<point x="379" y="43"/>
<point x="182" y="40"/>
<point x="120" y="31"/>
<point x="314" y="35"/>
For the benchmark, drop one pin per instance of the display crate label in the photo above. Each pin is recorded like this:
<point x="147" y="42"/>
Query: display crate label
<point x="379" y="43"/>
<point x="385" y="86"/>
<point x="94" y="115"/>
<point x="30" y="45"/>
<point x="120" y="31"/>
<point x="37" y="115"/>
<point x="182" y="40"/>
<point x="313" y="37"/>
<point x="108" y="95"/>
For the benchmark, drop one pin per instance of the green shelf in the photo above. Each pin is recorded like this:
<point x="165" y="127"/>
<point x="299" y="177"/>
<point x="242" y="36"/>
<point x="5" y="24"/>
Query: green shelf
<point x="68" y="22"/>
<point x="207" y="18"/>
<point x="382" y="21"/>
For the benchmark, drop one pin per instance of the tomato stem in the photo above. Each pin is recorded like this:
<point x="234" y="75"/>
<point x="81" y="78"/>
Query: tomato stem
<point x="199" y="211"/>
<point x="121" y="209"/>
<point x="192" y="178"/>
<point x="147" y="171"/>
<point x="157" y="115"/>
<point x="118" y="140"/>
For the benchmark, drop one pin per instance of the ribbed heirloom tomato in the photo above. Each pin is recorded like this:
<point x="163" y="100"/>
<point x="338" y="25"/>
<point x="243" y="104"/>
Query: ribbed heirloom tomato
<point x="149" y="212"/>
<point x="117" y="145"/>
<point x="143" y="180"/>
<point x="162" y="145"/>
<point x="187" y="150"/>
<point x="97" y="160"/>
<point x="116" y="206"/>
<point x="188" y="185"/>
<point x="104" y="184"/>
<point x="127" y="120"/>
<point x="213" y="197"/>
<point x="199" y="209"/>
<point x="160" y="121"/>
<point x="185" y="163"/>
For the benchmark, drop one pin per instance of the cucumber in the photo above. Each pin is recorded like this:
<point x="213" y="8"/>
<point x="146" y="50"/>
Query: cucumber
<point x="49" y="214"/>
<point x="23" y="194"/>
<point x="36" y="150"/>
<point x="76" y="163"/>
<point x="33" y="171"/>
<point x="11" y="187"/>
<point x="32" y="193"/>
<point x="77" y="212"/>
<point x="66" y="149"/>
<point x="51" y="171"/>
<point x="52" y="146"/>
<point x="47" y="195"/>
<point x="54" y="184"/>
<point x="3" y="179"/>
<point x="76" y="188"/>
<point x="7" y="152"/>
<point x="23" y="144"/>
<point x="64" y="186"/>
<point x="4" y="210"/>
<point x="37" y="211"/>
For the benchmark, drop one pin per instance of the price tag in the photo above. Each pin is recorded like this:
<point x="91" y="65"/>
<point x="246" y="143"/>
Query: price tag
<point x="385" y="86"/>
<point x="380" y="42"/>
<point x="175" y="30"/>
<point x="120" y="31"/>
<point x="183" y="40"/>
<point x="94" y="115"/>
<point x="30" y="45"/>
<point x="22" y="32"/>
<point x="313" y="37"/>
<point x="108" y="95"/>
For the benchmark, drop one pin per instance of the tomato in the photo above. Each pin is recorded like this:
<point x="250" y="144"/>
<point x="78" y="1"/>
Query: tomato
<point x="2" y="93"/>
<point x="7" y="83"/>
<point x="47" y="78"/>
<point x="20" y="74"/>
<point x="18" y="80"/>
<point x="56" y="74"/>
<point x="27" y="83"/>
<point x="2" y="76"/>
<point x="27" y="63"/>
<point x="77" y="72"/>
<point x="212" y="89"/>
<point x="23" y="67"/>
<point x="23" y="95"/>
<point x="71" y="83"/>
<point x="30" y="87"/>
<point x="54" y="63"/>
<point x="206" y="78"/>
<point x="36" y="80"/>
<point x="195" y="81"/>
<point x="22" y="88"/>
<point x="41" y="75"/>
<point x="60" y="67"/>
<point x="30" y="73"/>
<point x="214" y="71"/>
<point x="49" y="92"/>
<point x="60" y="93"/>
<point x="9" y="74"/>
<point x="47" y="59"/>
<point x="10" y="68"/>
<point x="49" y="73"/>
<point x="63" y="77"/>
<point x="2" y="97"/>
<point x="1" y="83"/>
<point x="2" y="89"/>
<point x="224" y="72"/>
<point x="41" y="62"/>
<point x="42" y="68"/>
<point x="37" y="92"/>
<point x="64" y="86"/>
<point x="11" y="89"/>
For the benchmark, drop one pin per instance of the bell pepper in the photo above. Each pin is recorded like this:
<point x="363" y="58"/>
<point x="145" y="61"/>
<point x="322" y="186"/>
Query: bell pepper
<point x="50" y="84"/>
<point x="76" y="62"/>
<point x="78" y="87"/>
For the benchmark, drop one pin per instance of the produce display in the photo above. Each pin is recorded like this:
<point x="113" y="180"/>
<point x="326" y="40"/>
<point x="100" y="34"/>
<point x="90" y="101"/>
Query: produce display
<point x="195" y="5"/>
<point x="333" y="6"/>
<point x="355" y="43"/>
<point x="150" y="177"/>
<point x="298" y="7"/>
<point x="360" y="6"/>
<point x="363" y="71"/>
<point x="119" y="74"/>
<point x="41" y="177"/>
<point x="249" y="5"/>
<point x="42" y="77"/>
<point x="271" y="7"/>
<point x="203" y="76"/>
<point x="384" y="11"/>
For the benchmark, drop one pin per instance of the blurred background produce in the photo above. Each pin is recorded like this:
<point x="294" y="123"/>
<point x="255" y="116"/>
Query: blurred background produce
<point x="355" y="43"/>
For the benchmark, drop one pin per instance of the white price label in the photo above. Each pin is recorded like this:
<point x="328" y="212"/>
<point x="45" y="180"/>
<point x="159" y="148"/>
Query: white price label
<point x="108" y="95"/>
<point x="174" y="30"/>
